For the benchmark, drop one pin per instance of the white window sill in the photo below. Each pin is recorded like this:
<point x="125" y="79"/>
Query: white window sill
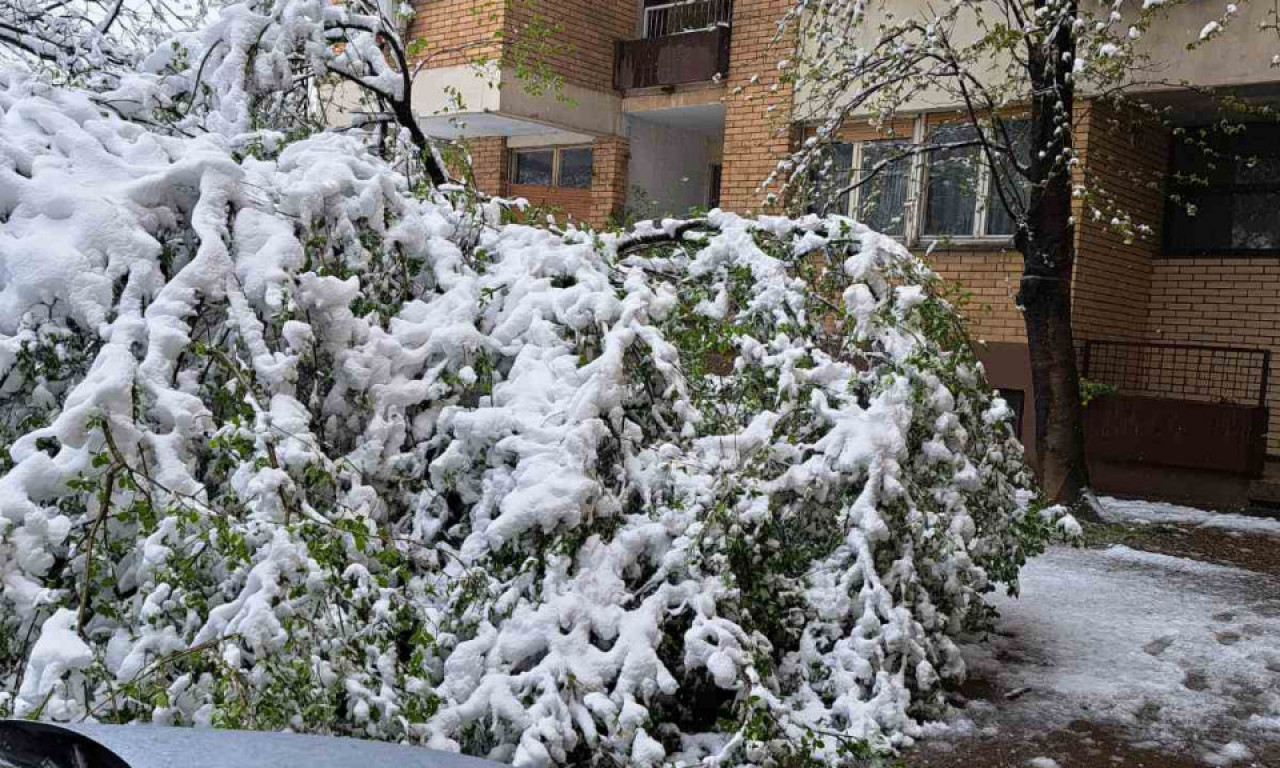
<point x="970" y="243"/>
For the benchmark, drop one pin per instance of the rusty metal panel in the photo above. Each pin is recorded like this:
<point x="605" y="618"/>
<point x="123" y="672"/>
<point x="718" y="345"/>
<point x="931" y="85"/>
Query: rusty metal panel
<point x="1203" y="488"/>
<point x="1223" y="437"/>
<point x="690" y="57"/>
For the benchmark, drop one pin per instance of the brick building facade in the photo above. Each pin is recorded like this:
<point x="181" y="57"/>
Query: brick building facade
<point x="663" y="106"/>
<point x="671" y="98"/>
<point x="756" y="135"/>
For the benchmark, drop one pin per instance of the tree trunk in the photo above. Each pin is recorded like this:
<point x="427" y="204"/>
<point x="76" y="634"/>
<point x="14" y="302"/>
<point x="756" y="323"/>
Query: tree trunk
<point x="1048" y="250"/>
<point x="403" y="112"/>
<point x="1045" y="297"/>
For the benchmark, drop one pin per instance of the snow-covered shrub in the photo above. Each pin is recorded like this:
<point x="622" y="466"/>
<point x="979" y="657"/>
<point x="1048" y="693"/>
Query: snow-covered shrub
<point x="288" y="446"/>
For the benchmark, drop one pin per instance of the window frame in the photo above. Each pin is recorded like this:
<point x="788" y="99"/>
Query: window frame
<point x="855" y="196"/>
<point x="1169" y="251"/>
<point x="983" y="200"/>
<point x="917" y="194"/>
<point x="556" y="152"/>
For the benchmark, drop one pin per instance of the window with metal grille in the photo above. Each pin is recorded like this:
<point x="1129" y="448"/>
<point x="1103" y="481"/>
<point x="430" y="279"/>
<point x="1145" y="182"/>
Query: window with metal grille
<point x="1224" y="191"/>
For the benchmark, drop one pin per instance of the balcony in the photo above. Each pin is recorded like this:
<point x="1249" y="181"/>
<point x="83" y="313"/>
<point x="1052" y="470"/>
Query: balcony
<point x="684" y="42"/>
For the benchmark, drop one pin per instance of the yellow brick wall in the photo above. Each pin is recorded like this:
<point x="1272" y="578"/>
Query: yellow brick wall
<point x="1124" y="158"/>
<point x="581" y="45"/>
<point x="989" y="282"/>
<point x="1221" y="302"/>
<point x="566" y="204"/>
<point x="757" y="125"/>
<point x="489" y="164"/>
<point x="572" y="38"/>
<point x="457" y="32"/>
<point x="608" y="179"/>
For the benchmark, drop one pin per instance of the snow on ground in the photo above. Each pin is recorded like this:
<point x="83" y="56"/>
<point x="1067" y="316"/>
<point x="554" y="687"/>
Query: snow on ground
<point x="1183" y="655"/>
<point x="1137" y="511"/>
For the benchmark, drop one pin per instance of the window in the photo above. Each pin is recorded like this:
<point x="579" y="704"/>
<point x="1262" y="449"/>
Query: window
<point x="999" y="221"/>
<point x="835" y="177"/>
<point x="713" y="187"/>
<point x="567" y="167"/>
<point x="534" y="168"/>
<point x="1225" y="193"/>
<point x="879" y="200"/>
<point x="961" y="198"/>
<point x="961" y="192"/>
<point x="951" y="194"/>
<point x="883" y="174"/>
<point x="575" y="167"/>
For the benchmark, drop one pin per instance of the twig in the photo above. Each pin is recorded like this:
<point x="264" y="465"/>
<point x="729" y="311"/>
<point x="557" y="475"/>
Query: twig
<point x="657" y="238"/>
<point x="103" y="513"/>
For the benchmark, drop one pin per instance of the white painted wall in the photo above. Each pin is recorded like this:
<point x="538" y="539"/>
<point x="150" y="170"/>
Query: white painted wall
<point x="1241" y="56"/>
<point x="574" y="108"/>
<point x="436" y="91"/>
<point x="470" y="100"/>
<point x="670" y="168"/>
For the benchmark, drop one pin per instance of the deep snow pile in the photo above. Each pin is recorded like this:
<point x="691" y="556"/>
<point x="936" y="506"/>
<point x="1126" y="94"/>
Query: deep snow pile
<point x="290" y="447"/>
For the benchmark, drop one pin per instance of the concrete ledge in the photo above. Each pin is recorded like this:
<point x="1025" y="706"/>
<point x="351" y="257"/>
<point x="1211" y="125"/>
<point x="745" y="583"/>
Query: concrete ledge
<point x="651" y="99"/>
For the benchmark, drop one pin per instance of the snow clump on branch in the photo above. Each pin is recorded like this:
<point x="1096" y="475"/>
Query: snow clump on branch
<point x="288" y="445"/>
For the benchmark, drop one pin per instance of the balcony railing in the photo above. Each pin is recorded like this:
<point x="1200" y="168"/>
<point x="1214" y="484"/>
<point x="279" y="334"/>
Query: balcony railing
<point x="690" y="57"/>
<point x="686" y="16"/>
<point x="684" y="42"/>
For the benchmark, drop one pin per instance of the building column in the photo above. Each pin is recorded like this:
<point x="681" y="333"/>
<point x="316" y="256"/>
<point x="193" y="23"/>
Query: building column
<point x="489" y="164"/>
<point x="1124" y="153"/>
<point x="756" y="137"/>
<point x="608" y="179"/>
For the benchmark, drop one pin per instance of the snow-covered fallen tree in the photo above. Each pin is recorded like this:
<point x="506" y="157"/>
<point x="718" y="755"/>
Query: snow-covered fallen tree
<point x="289" y="446"/>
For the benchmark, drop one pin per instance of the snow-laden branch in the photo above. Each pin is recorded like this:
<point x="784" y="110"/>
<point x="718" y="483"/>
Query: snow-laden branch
<point x="865" y="61"/>
<point x="254" y="67"/>
<point x="289" y="446"/>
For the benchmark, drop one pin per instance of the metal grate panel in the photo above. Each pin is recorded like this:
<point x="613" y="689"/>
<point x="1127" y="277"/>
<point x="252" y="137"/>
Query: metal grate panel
<point x="686" y="16"/>
<point x="1198" y="373"/>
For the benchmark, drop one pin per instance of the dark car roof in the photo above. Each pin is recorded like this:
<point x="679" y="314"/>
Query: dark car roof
<point x="150" y="746"/>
